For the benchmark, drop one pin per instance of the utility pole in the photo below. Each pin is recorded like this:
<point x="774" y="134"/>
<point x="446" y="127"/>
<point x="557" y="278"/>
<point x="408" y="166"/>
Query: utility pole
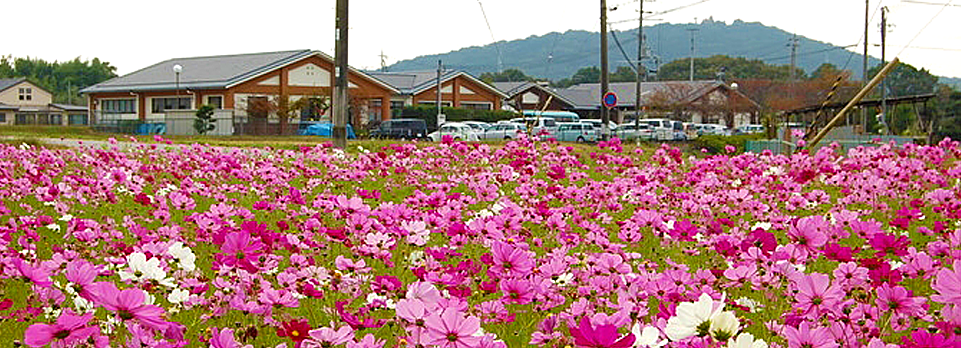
<point x="440" y="70"/>
<point x="693" y="31"/>
<point x="605" y="113"/>
<point x="383" y="61"/>
<point x="793" y="42"/>
<point x="864" y="66"/>
<point x="884" y="90"/>
<point x="640" y="64"/>
<point x="340" y="70"/>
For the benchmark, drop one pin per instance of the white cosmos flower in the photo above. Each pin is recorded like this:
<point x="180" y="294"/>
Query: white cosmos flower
<point x="184" y="255"/>
<point x="648" y="337"/>
<point x="692" y="318"/>
<point x="762" y="225"/>
<point x="178" y="296"/>
<point x="55" y="227"/>
<point x="563" y="279"/>
<point x="139" y="268"/>
<point x="66" y="218"/>
<point x="746" y="340"/>
<point x="724" y="325"/>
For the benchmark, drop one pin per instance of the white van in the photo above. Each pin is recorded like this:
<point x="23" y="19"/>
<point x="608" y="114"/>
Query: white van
<point x="662" y="128"/>
<point x="538" y="125"/>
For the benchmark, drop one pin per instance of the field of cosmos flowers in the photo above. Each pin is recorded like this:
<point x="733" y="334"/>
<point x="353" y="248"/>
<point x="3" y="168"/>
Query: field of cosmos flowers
<point x="462" y="245"/>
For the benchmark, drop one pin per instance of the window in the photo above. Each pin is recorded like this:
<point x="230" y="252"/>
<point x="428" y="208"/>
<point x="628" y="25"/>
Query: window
<point x="159" y="105"/>
<point x="26" y="93"/>
<point x="77" y="119"/>
<point x="56" y="119"/>
<point x="118" y="106"/>
<point x="3" y="117"/>
<point x="476" y="106"/>
<point x="216" y="101"/>
<point x="396" y="108"/>
<point x="26" y="119"/>
<point x="374" y="110"/>
<point x="445" y="104"/>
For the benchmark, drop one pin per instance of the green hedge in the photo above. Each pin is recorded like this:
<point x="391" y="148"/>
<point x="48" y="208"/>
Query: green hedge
<point x="715" y="143"/>
<point x="429" y="114"/>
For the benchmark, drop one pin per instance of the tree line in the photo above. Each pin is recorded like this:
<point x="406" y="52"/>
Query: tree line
<point x="62" y="79"/>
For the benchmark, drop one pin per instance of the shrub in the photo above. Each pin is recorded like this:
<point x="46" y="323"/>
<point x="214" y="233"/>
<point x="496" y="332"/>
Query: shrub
<point x="715" y="144"/>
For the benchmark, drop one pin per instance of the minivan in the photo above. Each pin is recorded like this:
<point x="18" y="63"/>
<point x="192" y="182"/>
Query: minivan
<point x="663" y="128"/>
<point x="401" y="128"/>
<point x="538" y="125"/>
<point x="559" y="116"/>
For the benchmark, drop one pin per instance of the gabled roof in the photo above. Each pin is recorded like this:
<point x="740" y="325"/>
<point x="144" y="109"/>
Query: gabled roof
<point x="416" y="82"/>
<point x="213" y="72"/>
<point x="512" y="89"/>
<point x="588" y="95"/>
<point x="68" y="107"/>
<point x="7" y="83"/>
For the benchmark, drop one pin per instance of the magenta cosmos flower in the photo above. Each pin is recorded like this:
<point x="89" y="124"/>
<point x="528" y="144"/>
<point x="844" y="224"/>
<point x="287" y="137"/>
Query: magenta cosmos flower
<point x="602" y="336"/>
<point x="240" y="250"/>
<point x="69" y="328"/>
<point x="129" y="305"/>
<point x="451" y="329"/>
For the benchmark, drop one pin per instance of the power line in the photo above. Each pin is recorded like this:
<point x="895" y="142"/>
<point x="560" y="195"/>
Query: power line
<point x="500" y="62"/>
<point x="930" y="3"/>
<point x="662" y="12"/>
<point x="945" y="5"/>
<point x="809" y="52"/>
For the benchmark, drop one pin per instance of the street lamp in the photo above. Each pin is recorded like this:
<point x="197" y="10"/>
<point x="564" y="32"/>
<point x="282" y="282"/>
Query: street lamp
<point x="177" y="69"/>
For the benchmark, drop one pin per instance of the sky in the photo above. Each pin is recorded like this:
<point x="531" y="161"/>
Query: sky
<point x="134" y="34"/>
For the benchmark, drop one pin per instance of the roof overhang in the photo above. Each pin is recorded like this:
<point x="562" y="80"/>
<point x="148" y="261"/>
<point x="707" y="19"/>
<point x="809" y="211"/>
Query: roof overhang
<point x="425" y="86"/>
<point x="296" y="58"/>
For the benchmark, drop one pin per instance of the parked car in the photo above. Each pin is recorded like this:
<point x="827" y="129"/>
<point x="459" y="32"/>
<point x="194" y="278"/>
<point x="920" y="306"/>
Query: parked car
<point x="749" y="129"/>
<point x="323" y="129"/>
<point x="575" y="131"/>
<point x="628" y="131"/>
<point x="506" y="130"/>
<point x="478" y="126"/>
<point x="456" y="130"/>
<point x="663" y="128"/>
<point x="544" y="127"/>
<point x="611" y="126"/>
<point x="711" y="129"/>
<point x="401" y="128"/>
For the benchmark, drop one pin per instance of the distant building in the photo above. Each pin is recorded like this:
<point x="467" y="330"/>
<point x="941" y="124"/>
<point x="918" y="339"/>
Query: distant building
<point x="688" y="101"/>
<point x="458" y="89"/>
<point x="24" y="103"/>
<point x="246" y="88"/>
<point x="528" y="95"/>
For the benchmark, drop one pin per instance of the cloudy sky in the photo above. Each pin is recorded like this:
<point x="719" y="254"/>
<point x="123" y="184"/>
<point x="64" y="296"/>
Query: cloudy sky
<point x="134" y="34"/>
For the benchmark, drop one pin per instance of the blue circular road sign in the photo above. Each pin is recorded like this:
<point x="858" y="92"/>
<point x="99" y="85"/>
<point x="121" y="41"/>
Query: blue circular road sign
<point x="610" y="100"/>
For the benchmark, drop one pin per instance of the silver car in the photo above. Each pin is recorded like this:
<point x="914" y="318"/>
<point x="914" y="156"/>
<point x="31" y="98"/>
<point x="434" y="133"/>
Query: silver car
<point x="579" y="132"/>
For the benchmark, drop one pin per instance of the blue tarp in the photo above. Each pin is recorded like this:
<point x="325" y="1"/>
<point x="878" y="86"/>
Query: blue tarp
<point x="325" y="130"/>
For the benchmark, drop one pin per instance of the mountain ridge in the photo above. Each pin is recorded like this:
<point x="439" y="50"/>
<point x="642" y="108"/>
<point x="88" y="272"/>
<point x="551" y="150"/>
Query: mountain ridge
<point x="557" y="55"/>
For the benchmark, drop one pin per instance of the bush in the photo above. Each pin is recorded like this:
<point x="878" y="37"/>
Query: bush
<point x="429" y="114"/>
<point x="715" y="144"/>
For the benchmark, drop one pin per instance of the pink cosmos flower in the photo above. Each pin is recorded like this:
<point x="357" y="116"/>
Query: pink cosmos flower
<point x="815" y="294"/>
<point x="898" y="300"/>
<point x="806" y="337"/>
<point x="509" y="260"/>
<point x="424" y="291"/>
<point x="129" y="305"/>
<point x="602" y="336"/>
<point x="809" y="232"/>
<point x="240" y="250"/>
<point x="451" y="329"/>
<point x="69" y="329"/>
<point x="37" y="275"/>
<point x="948" y="285"/>
<point x="517" y="291"/>
<point x="326" y="337"/>
<point x="224" y="338"/>
<point x="82" y="274"/>
<point x="369" y="341"/>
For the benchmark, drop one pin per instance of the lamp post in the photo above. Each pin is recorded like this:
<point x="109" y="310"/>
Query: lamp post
<point x="177" y="69"/>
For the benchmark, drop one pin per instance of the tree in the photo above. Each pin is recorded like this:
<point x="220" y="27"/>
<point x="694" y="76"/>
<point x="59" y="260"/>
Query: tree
<point x="204" y="122"/>
<point x="624" y="74"/>
<point x="906" y="80"/>
<point x="62" y="79"/>
<point x="509" y="75"/>
<point x="736" y="68"/>
<point x="826" y="71"/>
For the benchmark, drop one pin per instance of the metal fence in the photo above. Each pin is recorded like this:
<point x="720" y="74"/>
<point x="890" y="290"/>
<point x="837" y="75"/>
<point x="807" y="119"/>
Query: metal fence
<point x="854" y="141"/>
<point x="181" y="122"/>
